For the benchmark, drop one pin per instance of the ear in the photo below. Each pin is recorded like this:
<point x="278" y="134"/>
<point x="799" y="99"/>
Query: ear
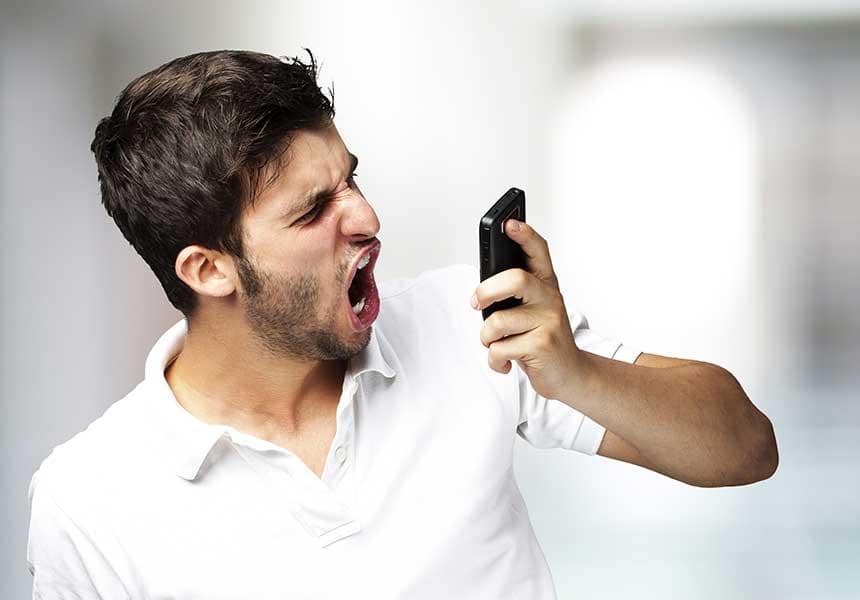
<point x="207" y="272"/>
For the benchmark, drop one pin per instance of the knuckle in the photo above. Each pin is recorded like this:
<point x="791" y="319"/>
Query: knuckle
<point x="545" y="339"/>
<point x="522" y="277"/>
<point x="498" y="320"/>
<point x="485" y="335"/>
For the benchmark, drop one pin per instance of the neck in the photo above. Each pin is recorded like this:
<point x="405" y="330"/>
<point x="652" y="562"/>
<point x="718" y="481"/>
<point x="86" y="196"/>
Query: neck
<point x="228" y="378"/>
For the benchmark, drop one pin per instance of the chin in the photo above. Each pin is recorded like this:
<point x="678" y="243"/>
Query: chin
<point x="362" y="337"/>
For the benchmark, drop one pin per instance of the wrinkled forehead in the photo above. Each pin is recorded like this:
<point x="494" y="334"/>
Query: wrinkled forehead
<point x="315" y="160"/>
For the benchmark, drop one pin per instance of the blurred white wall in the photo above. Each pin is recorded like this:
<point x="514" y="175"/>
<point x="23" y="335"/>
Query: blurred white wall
<point x="448" y="104"/>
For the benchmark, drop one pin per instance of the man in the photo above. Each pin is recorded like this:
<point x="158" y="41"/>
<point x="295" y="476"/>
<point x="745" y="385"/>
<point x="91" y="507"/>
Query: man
<point x="303" y="434"/>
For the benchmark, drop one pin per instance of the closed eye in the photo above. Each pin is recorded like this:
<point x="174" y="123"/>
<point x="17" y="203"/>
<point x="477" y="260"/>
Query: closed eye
<point x="312" y="213"/>
<point x="309" y="216"/>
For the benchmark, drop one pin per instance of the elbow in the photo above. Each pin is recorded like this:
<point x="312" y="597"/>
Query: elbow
<point x="761" y="458"/>
<point x="757" y="460"/>
<point x="757" y="456"/>
<point x="768" y="452"/>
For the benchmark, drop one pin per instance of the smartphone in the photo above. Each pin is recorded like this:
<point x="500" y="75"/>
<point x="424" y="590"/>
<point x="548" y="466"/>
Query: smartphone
<point x="498" y="252"/>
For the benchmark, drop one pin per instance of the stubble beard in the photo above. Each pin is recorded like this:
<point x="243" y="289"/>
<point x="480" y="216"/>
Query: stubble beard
<point x="282" y="312"/>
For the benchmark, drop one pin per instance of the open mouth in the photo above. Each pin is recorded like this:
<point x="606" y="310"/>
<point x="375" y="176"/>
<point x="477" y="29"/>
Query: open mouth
<point x="362" y="297"/>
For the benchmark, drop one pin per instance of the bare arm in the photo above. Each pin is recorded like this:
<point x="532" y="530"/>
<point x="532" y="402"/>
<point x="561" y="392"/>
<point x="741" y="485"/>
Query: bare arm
<point x="686" y="419"/>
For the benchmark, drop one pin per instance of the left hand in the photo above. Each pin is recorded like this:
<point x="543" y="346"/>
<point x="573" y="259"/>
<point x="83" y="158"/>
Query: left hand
<point x="536" y="333"/>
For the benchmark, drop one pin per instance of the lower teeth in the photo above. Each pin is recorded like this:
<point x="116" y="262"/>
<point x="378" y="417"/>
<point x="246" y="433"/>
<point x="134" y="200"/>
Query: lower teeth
<point x="358" y="306"/>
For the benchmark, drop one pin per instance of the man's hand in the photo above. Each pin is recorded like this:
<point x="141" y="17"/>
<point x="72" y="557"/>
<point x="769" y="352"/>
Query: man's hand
<point x="536" y="333"/>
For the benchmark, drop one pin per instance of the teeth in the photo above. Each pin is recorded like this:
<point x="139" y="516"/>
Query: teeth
<point x="363" y="262"/>
<point x="358" y="306"/>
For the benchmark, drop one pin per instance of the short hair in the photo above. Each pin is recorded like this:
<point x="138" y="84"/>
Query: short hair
<point x="185" y="148"/>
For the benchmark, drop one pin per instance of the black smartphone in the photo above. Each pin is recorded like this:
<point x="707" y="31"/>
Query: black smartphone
<point x="498" y="252"/>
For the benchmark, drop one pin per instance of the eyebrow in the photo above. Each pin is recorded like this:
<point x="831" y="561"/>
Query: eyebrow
<point x="315" y="199"/>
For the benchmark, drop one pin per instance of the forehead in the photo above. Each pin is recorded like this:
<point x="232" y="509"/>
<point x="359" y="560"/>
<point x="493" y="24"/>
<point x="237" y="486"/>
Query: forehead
<point x="315" y="161"/>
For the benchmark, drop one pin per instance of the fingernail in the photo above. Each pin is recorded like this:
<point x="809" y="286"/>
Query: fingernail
<point x="515" y="225"/>
<point x="474" y="301"/>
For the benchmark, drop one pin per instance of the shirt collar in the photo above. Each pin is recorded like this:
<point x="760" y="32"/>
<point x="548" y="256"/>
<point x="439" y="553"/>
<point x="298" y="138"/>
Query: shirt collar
<point x="189" y="441"/>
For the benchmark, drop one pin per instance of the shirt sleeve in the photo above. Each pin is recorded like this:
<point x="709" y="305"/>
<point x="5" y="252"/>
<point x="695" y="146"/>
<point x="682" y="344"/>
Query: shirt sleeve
<point x="542" y="422"/>
<point x="62" y="557"/>
<point x="548" y="423"/>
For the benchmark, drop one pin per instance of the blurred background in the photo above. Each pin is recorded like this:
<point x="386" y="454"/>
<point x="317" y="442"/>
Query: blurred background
<point x="695" y="167"/>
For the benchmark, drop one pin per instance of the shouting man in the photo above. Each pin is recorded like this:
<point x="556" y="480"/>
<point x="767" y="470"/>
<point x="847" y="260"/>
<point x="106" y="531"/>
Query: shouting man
<point x="303" y="433"/>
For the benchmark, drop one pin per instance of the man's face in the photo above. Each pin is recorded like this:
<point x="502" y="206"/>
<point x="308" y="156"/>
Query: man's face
<point x="303" y="237"/>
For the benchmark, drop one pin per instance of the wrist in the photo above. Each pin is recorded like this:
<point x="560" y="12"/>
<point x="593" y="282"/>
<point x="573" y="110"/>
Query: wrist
<point x="581" y="371"/>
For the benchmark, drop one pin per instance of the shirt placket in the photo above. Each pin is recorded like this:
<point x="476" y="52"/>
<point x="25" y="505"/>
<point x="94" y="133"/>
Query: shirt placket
<point x="339" y="465"/>
<point x="324" y="507"/>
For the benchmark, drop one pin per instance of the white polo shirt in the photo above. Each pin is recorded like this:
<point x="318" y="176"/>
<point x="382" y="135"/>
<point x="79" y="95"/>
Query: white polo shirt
<point x="417" y="498"/>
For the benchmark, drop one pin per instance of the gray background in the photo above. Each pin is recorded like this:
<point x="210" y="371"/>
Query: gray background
<point x="694" y="167"/>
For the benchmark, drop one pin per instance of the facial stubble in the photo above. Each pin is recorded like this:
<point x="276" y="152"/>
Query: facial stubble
<point x="282" y="312"/>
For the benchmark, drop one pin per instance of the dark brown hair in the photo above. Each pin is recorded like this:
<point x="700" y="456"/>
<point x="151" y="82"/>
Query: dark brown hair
<point x="184" y="150"/>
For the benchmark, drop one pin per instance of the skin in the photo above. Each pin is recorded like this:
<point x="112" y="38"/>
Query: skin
<point x="268" y="347"/>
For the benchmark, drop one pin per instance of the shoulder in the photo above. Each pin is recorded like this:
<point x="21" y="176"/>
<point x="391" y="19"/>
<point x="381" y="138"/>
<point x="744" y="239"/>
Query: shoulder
<point x="75" y="497"/>
<point x="96" y="456"/>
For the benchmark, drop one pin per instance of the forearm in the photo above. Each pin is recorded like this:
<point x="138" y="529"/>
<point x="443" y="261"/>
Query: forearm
<point x="693" y="422"/>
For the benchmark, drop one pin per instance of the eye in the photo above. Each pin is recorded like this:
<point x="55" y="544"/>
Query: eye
<point x="309" y="216"/>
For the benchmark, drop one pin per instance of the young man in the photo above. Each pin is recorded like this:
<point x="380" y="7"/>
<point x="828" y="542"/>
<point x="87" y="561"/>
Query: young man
<point x="301" y="433"/>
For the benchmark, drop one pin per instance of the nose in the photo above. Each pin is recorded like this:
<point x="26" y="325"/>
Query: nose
<point x="359" y="219"/>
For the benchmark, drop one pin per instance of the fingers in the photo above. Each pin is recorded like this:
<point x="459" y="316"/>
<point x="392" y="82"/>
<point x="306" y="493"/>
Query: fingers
<point x="515" y="283"/>
<point x="508" y="322"/>
<point x="524" y="332"/>
<point x="503" y="352"/>
<point x="535" y="248"/>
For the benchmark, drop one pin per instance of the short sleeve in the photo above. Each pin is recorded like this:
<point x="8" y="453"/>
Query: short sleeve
<point x="542" y="422"/>
<point x="63" y="557"/>
<point x="548" y="423"/>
